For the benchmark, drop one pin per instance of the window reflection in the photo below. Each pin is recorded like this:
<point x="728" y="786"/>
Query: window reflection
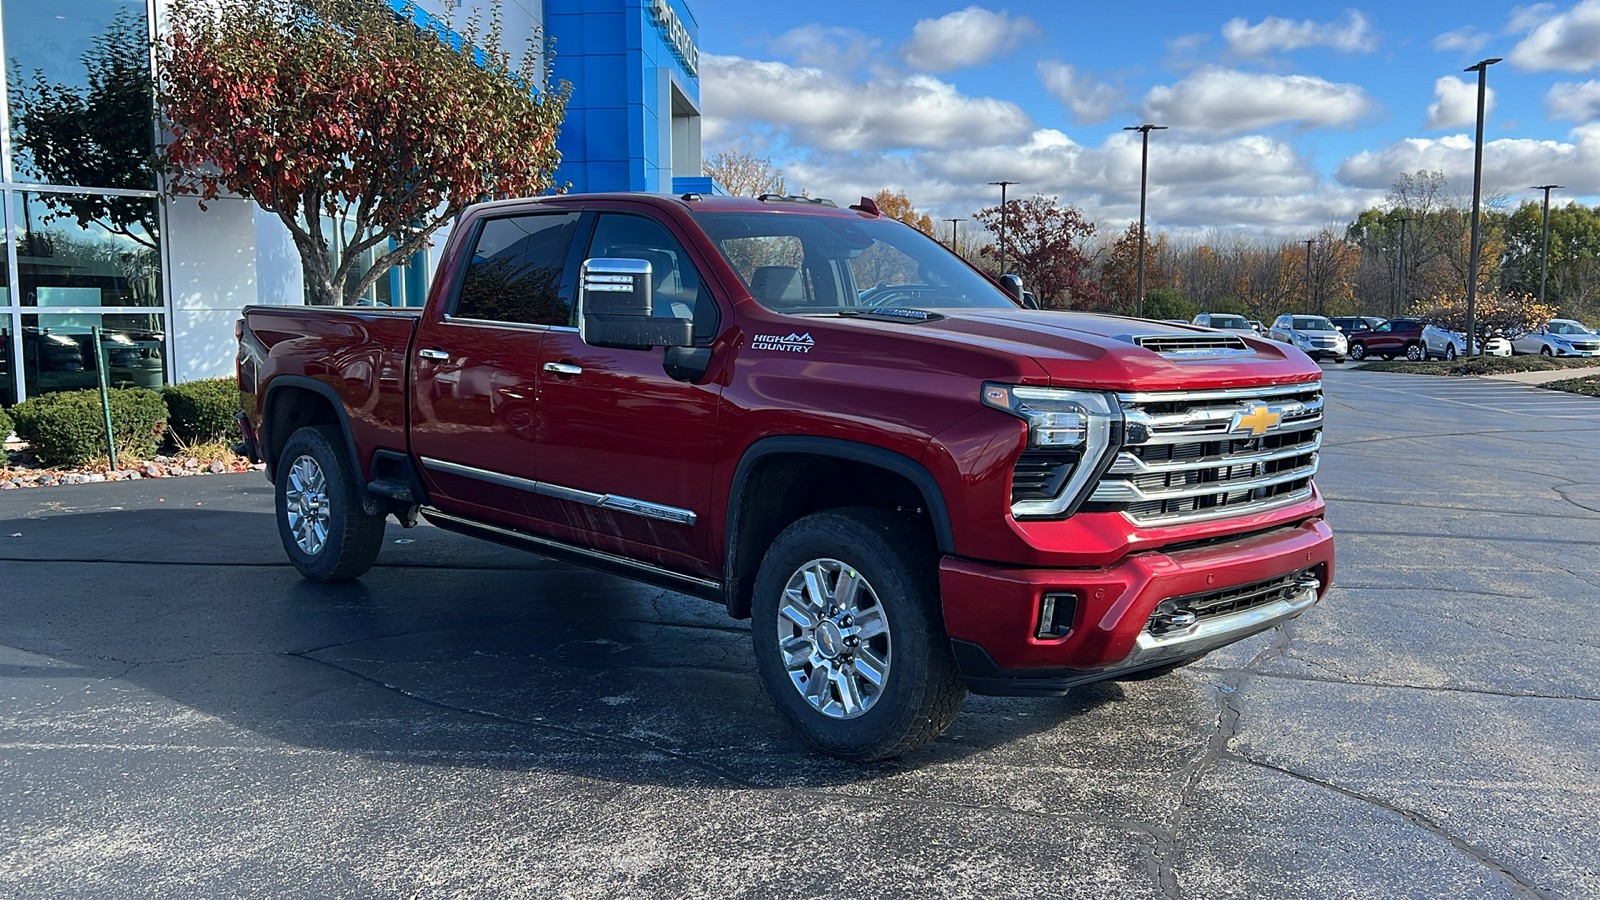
<point x="63" y="262"/>
<point x="58" y="351"/>
<point x="80" y="88"/>
<point x="8" y="373"/>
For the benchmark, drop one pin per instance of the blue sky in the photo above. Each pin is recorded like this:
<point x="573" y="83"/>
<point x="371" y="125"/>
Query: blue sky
<point x="1285" y="118"/>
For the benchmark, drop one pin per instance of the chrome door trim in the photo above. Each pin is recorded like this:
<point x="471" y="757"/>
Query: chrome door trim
<point x="644" y="508"/>
<point x="437" y="355"/>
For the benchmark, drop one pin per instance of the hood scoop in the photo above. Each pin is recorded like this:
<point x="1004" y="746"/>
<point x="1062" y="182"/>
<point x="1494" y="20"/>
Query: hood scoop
<point x="1191" y="346"/>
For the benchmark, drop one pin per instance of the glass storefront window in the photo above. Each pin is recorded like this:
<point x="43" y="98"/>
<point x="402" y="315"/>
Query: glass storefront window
<point x="58" y="351"/>
<point x="8" y="372"/>
<point x="65" y="259"/>
<point x="79" y="81"/>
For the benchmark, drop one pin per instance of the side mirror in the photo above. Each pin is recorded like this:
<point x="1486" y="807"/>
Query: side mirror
<point x="1013" y="286"/>
<point x="616" y="308"/>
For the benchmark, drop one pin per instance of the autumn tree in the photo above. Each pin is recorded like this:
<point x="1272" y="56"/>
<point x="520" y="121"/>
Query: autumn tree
<point x="390" y="121"/>
<point x="1119" y="274"/>
<point x="894" y="205"/>
<point x="1045" y="244"/>
<point x="98" y="135"/>
<point x="1573" y="283"/>
<point x="744" y="174"/>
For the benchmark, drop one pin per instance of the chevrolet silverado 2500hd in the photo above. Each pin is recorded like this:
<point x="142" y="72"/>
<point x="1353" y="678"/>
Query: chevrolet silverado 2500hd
<point x="824" y="420"/>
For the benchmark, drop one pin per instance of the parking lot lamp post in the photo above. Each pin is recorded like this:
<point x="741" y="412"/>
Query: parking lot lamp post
<point x="1544" y="254"/>
<point x="955" y="246"/>
<point x="1003" y="185"/>
<point x="1400" y="289"/>
<point x="1144" y="180"/>
<point x="1482" y="68"/>
<point x="1308" y="242"/>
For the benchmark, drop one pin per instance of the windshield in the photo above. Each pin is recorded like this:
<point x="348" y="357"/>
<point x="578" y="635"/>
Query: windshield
<point x="1559" y="327"/>
<point x="806" y="264"/>
<point x="1230" y="322"/>
<point x="1311" y="323"/>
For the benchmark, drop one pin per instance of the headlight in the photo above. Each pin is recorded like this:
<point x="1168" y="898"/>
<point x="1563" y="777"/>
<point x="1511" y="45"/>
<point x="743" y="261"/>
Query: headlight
<point x="1299" y="339"/>
<point x="1071" y="436"/>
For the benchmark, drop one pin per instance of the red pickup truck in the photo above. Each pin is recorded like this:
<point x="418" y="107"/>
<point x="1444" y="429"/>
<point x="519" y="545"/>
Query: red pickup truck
<point x="913" y="484"/>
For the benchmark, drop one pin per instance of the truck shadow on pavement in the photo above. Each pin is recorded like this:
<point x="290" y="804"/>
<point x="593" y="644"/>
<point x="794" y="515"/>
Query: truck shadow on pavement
<point x="448" y="652"/>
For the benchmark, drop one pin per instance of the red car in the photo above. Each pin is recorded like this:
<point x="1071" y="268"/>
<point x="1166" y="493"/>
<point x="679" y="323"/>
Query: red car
<point x="823" y="420"/>
<point x="1396" y="337"/>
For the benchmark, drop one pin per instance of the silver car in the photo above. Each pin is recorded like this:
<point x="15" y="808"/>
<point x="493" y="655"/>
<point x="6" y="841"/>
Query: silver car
<point x="1313" y="334"/>
<point x="1225" y="322"/>
<point x="1561" y="337"/>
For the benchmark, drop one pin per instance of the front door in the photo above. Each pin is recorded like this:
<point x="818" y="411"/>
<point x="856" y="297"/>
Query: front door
<point x="625" y="451"/>
<point x="475" y="375"/>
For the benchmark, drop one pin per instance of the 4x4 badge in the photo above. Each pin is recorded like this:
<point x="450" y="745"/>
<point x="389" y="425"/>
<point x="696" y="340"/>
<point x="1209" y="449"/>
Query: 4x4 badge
<point x="1256" y="420"/>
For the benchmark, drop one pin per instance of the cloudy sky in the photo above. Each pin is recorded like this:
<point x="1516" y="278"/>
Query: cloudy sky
<point x="1284" y="117"/>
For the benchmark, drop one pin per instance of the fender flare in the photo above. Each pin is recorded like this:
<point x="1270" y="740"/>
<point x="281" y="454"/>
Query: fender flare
<point x="838" y="448"/>
<point x="368" y="502"/>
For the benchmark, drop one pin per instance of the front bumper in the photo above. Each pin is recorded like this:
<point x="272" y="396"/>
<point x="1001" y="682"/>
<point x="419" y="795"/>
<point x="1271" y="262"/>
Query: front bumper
<point x="992" y="613"/>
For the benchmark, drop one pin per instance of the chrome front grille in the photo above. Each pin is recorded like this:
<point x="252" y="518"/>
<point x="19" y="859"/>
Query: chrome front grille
<point x="1194" y="456"/>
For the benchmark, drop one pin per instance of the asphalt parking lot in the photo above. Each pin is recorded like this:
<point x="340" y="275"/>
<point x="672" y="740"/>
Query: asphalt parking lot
<point x="181" y="715"/>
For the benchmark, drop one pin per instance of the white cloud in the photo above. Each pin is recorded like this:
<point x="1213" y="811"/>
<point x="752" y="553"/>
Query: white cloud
<point x="1468" y="39"/>
<point x="817" y="109"/>
<point x="966" y="37"/>
<point x="1277" y="35"/>
<point x="1091" y="102"/>
<point x="1457" y="103"/>
<point x="826" y="47"/>
<point x="1526" y="18"/>
<point x="1226" y="101"/>
<point x="1508" y="164"/>
<point x="1568" y="42"/>
<point x="1579" y="102"/>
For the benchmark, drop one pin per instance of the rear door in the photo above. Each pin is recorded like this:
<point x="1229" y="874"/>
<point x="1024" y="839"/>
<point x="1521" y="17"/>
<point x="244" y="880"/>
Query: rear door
<point x="626" y="452"/>
<point x="475" y="372"/>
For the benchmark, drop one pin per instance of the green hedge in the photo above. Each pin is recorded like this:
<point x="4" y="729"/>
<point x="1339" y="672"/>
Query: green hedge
<point x="5" y="425"/>
<point x="68" y="428"/>
<point x="202" y="411"/>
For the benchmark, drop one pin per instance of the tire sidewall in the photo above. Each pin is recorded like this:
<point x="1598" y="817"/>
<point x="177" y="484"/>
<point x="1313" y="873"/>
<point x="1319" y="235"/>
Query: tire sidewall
<point x="908" y="599"/>
<point x="315" y="443"/>
<point x="1358" y="352"/>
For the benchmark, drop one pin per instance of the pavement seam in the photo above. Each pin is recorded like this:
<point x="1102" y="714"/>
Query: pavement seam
<point x="1518" y="882"/>
<point x="1441" y="689"/>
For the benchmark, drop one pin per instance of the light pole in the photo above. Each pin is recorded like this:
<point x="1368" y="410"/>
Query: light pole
<point x="1144" y="180"/>
<point x="1308" y="242"/>
<point x="1400" y="290"/>
<point x="1482" y="68"/>
<point x="954" y="246"/>
<point x="1544" y="254"/>
<point x="1003" y="185"/>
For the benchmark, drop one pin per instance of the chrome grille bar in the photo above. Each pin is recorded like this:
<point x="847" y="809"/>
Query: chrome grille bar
<point x="1128" y="492"/>
<point x="1129" y="464"/>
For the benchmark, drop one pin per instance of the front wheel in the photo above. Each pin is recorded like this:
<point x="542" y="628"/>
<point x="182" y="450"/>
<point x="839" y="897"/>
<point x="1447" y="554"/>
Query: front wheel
<point x="849" y="640"/>
<point x="1358" y="352"/>
<point x="1545" y="351"/>
<point x="1450" y="352"/>
<point x="1415" y="353"/>
<point x="325" y="530"/>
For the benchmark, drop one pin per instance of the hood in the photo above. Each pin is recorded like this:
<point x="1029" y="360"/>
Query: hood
<point x="1090" y="350"/>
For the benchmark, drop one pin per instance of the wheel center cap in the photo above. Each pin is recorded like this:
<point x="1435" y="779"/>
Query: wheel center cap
<point x="829" y="639"/>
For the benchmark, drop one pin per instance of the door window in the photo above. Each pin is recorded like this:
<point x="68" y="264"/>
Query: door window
<point x="679" y="291"/>
<point x="516" y="271"/>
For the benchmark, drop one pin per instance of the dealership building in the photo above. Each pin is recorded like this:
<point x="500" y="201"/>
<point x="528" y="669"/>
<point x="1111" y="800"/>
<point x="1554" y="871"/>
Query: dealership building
<point x="95" y="243"/>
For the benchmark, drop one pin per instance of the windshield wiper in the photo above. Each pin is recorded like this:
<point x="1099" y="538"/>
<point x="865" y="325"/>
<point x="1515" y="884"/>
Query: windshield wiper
<point x="893" y="314"/>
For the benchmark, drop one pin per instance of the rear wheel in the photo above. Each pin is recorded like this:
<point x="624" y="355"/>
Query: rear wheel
<point x="849" y="641"/>
<point x="1450" y="352"/>
<point x="325" y="530"/>
<point x="1415" y="353"/>
<point x="1358" y="352"/>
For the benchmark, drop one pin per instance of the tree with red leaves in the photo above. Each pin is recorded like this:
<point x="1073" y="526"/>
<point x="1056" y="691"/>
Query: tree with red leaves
<point x="345" y="108"/>
<point x="1044" y="245"/>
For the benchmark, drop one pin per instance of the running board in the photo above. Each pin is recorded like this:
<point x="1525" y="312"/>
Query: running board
<point x="595" y="559"/>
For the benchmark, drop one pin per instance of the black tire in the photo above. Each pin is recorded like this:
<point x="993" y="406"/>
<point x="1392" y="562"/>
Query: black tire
<point x="1545" y="351"/>
<point x="1450" y="352"/>
<point x="1415" y="352"/>
<point x="1358" y="352"/>
<point x="921" y="689"/>
<point x="352" y="537"/>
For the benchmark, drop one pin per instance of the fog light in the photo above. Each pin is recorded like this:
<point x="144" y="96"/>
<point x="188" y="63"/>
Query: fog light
<point x="1057" y="612"/>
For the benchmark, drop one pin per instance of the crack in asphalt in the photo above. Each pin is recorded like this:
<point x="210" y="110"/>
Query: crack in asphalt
<point x="1403" y="504"/>
<point x="1442" y="689"/>
<point x="1518" y="882"/>
<point x="1470" y="537"/>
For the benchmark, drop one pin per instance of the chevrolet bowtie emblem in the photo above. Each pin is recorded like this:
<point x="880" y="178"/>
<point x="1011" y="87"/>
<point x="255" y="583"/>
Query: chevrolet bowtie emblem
<point x="1255" y="420"/>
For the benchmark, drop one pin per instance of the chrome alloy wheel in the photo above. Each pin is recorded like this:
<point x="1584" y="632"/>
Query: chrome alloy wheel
<point x="834" y="638"/>
<point x="307" y="507"/>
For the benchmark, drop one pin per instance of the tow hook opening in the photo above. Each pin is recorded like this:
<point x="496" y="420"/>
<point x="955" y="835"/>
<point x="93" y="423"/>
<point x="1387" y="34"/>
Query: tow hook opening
<point x="1168" y="619"/>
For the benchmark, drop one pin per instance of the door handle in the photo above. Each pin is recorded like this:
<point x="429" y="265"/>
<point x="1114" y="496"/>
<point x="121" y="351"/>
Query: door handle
<point x="438" y="355"/>
<point x="556" y="368"/>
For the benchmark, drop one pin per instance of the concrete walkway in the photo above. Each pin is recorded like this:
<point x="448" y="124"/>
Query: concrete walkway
<point x="1542" y="377"/>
